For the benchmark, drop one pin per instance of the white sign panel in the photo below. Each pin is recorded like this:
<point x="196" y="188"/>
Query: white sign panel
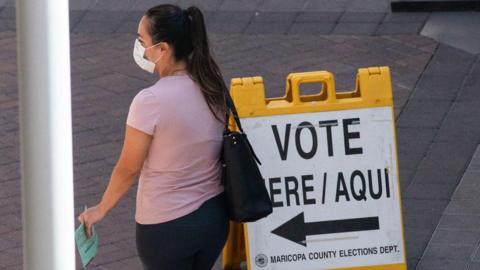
<point x="332" y="177"/>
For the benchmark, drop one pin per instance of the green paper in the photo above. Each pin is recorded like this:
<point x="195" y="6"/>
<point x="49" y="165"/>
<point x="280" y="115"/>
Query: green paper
<point x="87" y="247"/>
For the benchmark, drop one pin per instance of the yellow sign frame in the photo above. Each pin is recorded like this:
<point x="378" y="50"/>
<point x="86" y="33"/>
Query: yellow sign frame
<point x="373" y="88"/>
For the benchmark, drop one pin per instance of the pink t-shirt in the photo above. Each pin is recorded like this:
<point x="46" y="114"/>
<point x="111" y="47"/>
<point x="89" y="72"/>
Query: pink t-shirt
<point x="182" y="169"/>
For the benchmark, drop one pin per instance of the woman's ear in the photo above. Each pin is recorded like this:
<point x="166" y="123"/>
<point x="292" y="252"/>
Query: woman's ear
<point x="164" y="46"/>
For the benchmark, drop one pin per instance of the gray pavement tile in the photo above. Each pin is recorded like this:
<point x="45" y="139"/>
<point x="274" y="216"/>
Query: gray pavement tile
<point x="459" y="221"/>
<point x="128" y="263"/>
<point x="447" y="57"/>
<point x="448" y="251"/>
<point x="81" y="5"/>
<point x="10" y="171"/>
<point x="401" y="94"/>
<point x="127" y="27"/>
<point x="471" y="90"/>
<point x="420" y="206"/>
<point x="204" y="5"/>
<point x="208" y="15"/>
<point x="124" y="83"/>
<point x="413" y="41"/>
<point x="75" y="16"/>
<point x="7" y="19"/>
<point x="113" y="5"/>
<point x="457" y="234"/>
<point x="442" y="63"/>
<point x="13" y="220"/>
<point x="435" y="175"/>
<point x="144" y="5"/>
<point x="405" y="73"/>
<point x="430" y="48"/>
<point x="398" y="28"/>
<point x="412" y="144"/>
<point x="96" y="27"/>
<point x="476" y="254"/>
<point x="441" y="264"/>
<point x="476" y="156"/>
<point x="459" y="29"/>
<point x="88" y="138"/>
<point x="421" y="221"/>
<point x="326" y="5"/>
<point x="438" y="86"/>
<point x="362" y="17"/>
<point x="447" y="236"/>
<point x="318" y="16"/>
<point x="473" y="266"/>
<point x="416" y="240"/>
<point x="281" y="5"/>
<point x="9" y="155"/>
<point x="311" y="28"/>
<point x="429" y="191"/>
<point x="10" y="207"/>
<point x="423" y="113"/>
<point x="453" y="156"/>
<point x="344" y="28"/>
<point x="412" y="263"/>
<point x="232" y="16"/>
<point x="369" y="6"/>
<point x="461" y="123"/>
<point x="403" y="17"/>
<point x="264" y="28"/>
<point x="406" y="177"/>
<point x="270" y="17"/>
<point x="104" y="16"/>
<point x="227" y="27"/>
<point x="7" y="13"/>
<point x="469" y="187"/>
<point x="239" y="5"/>
<point x="470" y="179"/>
<point x="463" y="207"/>
<point x="7" y="24"/>
<point x="414" y="55"/>
<point x="474" y="166"/>
<point x="12" y="258"/>
<point x="133" y="16"/>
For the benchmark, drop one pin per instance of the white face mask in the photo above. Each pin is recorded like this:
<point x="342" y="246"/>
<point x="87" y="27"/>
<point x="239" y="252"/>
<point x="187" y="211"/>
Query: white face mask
<point x="138" y="55"/>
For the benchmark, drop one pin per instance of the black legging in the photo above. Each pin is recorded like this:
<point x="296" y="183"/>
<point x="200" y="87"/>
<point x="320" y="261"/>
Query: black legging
<point x="191" y="242"/>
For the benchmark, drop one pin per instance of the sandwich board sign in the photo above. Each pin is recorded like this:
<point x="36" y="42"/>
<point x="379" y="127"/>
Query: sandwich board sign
<point x="329" y="163"/>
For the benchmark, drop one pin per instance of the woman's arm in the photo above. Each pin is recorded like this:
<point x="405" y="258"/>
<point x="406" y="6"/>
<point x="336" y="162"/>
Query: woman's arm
<point x="120" y="182"/>
<point x="124" y="175"/>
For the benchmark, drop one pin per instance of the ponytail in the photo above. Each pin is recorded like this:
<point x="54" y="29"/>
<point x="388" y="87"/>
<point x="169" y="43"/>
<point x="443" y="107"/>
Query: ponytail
<point x="185" y="31"/>
<point x="203" y="67"/>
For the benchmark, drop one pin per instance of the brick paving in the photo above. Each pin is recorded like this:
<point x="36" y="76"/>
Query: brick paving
<point x="435" y="87"/>
<point x="455" y="241"/>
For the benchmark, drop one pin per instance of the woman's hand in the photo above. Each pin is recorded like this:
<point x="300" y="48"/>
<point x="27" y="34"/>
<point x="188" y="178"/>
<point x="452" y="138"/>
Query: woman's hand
<point x="89" y="217"/>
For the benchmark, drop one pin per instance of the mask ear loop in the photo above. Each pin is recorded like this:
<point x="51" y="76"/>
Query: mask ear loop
<point x="152" y="47"/>
<point x="157" y="59"/>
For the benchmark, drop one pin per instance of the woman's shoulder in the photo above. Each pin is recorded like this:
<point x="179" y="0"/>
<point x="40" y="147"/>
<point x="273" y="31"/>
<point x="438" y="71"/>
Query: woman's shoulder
<point x="145" y="96"/>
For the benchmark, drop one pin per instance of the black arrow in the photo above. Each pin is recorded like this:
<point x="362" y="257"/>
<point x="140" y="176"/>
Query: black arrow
<point x="296" y="230"/>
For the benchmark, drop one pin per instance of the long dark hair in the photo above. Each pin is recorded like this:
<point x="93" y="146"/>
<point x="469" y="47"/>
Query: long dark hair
<point x="185" y="31"/>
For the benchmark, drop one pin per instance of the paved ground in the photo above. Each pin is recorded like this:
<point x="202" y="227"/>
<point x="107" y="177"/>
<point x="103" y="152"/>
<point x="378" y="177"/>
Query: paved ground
<point x="436" y="93"/>
<point x="459" y="29"/>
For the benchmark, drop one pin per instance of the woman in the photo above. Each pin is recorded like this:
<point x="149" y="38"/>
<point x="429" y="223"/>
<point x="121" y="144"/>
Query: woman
<point x="173" y="140"/>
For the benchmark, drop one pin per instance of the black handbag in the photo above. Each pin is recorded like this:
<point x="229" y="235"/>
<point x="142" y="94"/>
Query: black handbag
<point x="246" y="195"/>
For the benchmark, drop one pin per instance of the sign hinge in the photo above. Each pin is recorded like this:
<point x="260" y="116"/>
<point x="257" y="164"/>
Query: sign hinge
<point x="374" y="71"/>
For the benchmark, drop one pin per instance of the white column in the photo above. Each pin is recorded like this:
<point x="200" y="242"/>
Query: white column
<point x="43" y="55"/>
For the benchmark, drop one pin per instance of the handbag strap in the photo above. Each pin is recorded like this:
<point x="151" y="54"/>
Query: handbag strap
<point x="231" y="107"/>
